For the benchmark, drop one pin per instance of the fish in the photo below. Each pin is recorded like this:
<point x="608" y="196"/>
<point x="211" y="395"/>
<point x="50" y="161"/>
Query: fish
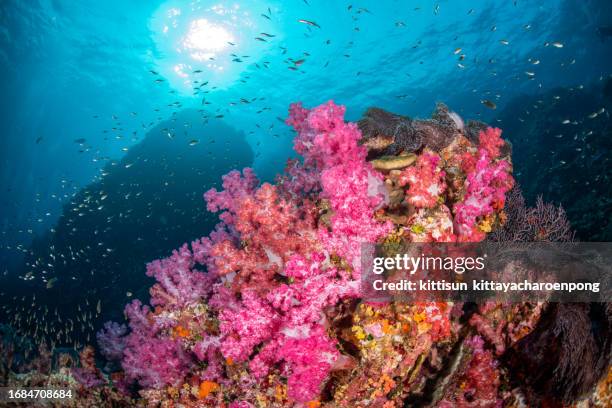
<point x="51" y="283"/>
<point x="263" y="15"/>
<point x="268" y="35"/>
<point x="261" y="39"/>
<point x="308" y="22"/>
<point x="80" y="140"/>
<point x="193" y="142"/>
<point x="39" y="139"/>
<point x="504" y="42"/>
<point x="489" y="104"/>
<point x="557" y="45"/>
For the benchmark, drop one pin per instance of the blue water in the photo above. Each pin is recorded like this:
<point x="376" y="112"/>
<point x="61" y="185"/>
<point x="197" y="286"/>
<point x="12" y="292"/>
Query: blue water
<point x="83" y="69"/>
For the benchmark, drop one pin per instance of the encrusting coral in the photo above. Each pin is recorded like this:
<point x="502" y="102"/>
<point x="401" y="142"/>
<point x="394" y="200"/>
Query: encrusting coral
<point x="267" y="309"/>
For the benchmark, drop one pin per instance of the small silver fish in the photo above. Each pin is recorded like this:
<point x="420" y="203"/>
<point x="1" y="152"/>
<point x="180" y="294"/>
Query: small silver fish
<point x="308" y="22"/>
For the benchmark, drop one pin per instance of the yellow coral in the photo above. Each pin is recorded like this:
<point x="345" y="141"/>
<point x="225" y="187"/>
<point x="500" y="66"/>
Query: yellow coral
<point x="486" y="225"/>
<point x="419" y="317"/>
<point x="359" y="333"/>
<point x="280" y="392"/>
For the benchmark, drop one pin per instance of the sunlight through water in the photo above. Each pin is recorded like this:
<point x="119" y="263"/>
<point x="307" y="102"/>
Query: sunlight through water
<point x="201" y="42"/>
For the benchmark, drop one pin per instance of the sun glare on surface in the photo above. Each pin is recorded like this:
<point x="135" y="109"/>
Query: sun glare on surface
<point x="201" y="45"/>
<point x="204" y="39"/>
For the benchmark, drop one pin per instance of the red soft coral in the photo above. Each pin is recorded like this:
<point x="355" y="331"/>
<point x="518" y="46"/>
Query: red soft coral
<point x="425" y="180"/>
<point x="491" y="141"/>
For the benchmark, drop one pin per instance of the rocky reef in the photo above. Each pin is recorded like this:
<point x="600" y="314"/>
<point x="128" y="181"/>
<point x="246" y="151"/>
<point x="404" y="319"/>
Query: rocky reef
<point x="267" y="311"/>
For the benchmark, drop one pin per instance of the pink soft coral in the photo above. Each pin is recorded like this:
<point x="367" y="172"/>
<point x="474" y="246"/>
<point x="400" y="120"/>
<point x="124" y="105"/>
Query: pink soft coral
<point x="111" y="340"/>
<point x="177" y="283"/>
<point x="235" y="187"/>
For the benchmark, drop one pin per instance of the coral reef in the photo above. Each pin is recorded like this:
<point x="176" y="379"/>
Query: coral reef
<point x="267" y="310"/>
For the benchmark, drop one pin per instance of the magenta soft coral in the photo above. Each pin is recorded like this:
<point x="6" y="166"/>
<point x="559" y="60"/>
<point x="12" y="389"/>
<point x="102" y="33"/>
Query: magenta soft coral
<point x="150" y="358"/>
<point x="311" y="359"/>
<point x="488" y="181"/>
<point x="154" y="362"/>
<point x="347" y="179"/>
<point x="253" y="323"/>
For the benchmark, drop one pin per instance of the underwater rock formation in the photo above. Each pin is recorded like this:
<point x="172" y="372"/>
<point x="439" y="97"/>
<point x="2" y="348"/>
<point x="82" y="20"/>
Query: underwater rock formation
<point x="566" y="354"/>
<point x="143" y="205"/>
<point x="267" y="311"/>
<point x="387" y="133"/>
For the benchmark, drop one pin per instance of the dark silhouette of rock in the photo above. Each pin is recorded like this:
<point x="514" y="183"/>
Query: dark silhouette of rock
<point x="145" y="205"/>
